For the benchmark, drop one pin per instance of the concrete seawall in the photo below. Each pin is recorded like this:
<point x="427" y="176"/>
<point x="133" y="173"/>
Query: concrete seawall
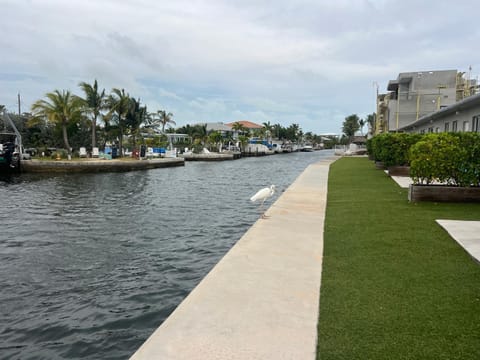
<point x="97" y="165"/>
<point x="261" y="300"/>
<point x="210" y="157"/>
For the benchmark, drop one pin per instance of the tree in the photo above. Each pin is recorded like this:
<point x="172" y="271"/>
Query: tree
<point x="199" y="133"/>
<point x="243" y="140"/>
<point x="293" y="132"/>
<point x="153" y="121"/>
<point x="119" y="104"/>
<point x="361" y="123"/>
<point x="371" y="121"/>
<point x="93" y="102"/>
<point x="135" y="117"/>
<point x="216" y="139"/>
<point x="61" y="108"/>
<point x="165" y="119"/>
<point x="278" y="131"/>
<point x="160" y="118"/>
<point x="239" y="128"/>
<point x="351" y="125"/>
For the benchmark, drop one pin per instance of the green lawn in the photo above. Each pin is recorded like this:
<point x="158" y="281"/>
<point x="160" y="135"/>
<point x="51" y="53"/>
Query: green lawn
<point x="394" y="284"/>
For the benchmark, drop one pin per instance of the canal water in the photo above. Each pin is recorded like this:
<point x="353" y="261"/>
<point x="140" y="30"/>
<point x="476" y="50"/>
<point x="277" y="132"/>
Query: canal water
<point x="91" y="264"/>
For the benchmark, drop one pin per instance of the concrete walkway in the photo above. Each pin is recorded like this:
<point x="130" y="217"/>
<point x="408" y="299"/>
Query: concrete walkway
<point x="466" y="233"/>
<point x="402" y="181"/>
<point x="261" y="300"/>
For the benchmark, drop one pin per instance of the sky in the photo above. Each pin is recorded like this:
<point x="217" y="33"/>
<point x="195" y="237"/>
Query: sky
<point x="308" y="62"/>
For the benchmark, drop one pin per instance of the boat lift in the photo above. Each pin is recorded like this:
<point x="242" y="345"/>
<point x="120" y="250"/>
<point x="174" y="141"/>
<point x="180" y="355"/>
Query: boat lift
<point x="18" y="137"/>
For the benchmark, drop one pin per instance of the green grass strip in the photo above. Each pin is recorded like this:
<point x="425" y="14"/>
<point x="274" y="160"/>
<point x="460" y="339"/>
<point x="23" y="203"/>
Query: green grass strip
<point x="395" y="285"/>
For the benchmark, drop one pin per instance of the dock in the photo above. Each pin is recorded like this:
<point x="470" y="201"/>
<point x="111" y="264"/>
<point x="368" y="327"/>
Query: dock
<point x="261" y="301"/>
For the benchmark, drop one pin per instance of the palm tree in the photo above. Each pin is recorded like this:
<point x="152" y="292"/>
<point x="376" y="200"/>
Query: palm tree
<point x="268" y="130"/>
<point x="371" y="121"/>
<point x="293" y="132"/>
<point x="277" y="128"/>
<point x="239" y="128"/>
<point x="119" y="104"/>
<point x="243" y="140"/>
<point x="199" y="132"/>
<point x="216" y="139"/>
<point x="94" y="102"/>
<point x="135" y="117"/>
<point x="61" y="108"/>
<point x="361" y="123"/>
<point x="268" y="126"/>
<point x="165" y="119"/>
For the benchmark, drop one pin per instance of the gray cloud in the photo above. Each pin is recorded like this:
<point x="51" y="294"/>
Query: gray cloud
<point x="311" y="62"/>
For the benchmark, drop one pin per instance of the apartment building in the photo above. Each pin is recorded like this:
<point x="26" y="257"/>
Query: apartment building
<point x="464" y="115"/>
<point x="414" y="95"/>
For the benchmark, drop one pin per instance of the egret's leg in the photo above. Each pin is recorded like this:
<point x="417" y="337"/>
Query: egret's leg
<point x="263" y="212"/>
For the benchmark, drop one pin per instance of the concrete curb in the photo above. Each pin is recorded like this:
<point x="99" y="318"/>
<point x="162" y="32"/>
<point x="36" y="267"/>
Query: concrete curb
<point x="261" y="301"/>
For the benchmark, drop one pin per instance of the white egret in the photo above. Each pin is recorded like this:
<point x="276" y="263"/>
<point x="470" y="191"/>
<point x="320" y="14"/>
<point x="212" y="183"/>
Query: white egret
<point x="263" y="195"/>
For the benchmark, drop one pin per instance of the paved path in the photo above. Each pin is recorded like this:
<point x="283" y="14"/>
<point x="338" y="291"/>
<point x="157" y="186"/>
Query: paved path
<point x="466" y="233"/>
<point x="261" y="300"/>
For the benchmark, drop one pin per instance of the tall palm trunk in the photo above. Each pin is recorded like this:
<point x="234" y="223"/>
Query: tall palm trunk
<point x="94" y="131"/>
<point x="65" y="138"/>
<point x="120" y="142"/>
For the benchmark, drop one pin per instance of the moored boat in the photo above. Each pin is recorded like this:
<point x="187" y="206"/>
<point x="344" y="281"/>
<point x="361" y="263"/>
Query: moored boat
<point x="10" y="146"/>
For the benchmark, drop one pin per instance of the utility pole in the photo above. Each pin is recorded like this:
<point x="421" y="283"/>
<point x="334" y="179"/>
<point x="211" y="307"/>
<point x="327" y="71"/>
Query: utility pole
<point x="375" y="124"/>
<point x="19" y="106"/>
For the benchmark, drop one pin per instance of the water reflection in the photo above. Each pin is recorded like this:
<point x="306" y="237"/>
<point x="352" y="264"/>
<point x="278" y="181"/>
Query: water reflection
<point x="91" y="264"/>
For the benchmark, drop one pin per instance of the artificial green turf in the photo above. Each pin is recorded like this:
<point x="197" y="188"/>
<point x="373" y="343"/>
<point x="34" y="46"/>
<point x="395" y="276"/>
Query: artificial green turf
<point x="395" y="285"/>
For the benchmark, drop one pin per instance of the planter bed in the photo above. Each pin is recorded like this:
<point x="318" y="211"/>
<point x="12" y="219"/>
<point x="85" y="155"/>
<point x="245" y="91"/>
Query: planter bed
<point x="399" y="170"/>
<point x="443" y="193"/>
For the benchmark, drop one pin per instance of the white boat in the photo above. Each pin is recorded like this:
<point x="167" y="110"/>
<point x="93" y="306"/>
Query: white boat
<point x="307" y="148"/>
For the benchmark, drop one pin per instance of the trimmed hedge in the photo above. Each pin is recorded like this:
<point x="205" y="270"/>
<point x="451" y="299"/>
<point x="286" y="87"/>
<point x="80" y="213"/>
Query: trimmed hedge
<point x="392" y="148"/>
<point x="448" y="158"/>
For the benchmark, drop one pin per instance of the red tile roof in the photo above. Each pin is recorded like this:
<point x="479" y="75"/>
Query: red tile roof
<point x="247" y="124"/>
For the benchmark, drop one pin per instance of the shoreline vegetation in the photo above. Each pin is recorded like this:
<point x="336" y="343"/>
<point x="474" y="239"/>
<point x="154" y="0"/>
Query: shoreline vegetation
<point x="394" y="283"/>
<point x="64" y="123"/>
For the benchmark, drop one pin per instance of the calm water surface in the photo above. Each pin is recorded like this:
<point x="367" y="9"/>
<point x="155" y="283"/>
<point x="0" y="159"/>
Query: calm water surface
<point x="91" y="264"/>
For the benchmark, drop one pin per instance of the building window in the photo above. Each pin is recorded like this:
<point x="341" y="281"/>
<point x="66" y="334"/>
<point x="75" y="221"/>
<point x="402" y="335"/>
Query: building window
<point x="454" y="126"/>
<point x="430" y="129"/>
<point x="422" y="131"/>
<point x="475" y="123"/>
<point x="466" y="126"/>
<point x="437" y="129"/>
<point x="447" y="127"/>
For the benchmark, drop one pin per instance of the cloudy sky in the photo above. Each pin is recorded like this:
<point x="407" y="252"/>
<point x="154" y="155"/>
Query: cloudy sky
<point x="311" y="62"/>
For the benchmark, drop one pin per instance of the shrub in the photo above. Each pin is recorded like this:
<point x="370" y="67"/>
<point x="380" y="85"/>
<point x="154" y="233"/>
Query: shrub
<point x="393" y="148"/>
<point x="450" y="158"/>
<point x="377" y="146"/>
<point x="369" y="146"/>
<point x="467" y="171"/>
<point x="434" y="158"/>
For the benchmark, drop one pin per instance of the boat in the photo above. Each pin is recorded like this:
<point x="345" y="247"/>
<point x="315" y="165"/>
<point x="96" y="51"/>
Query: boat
<point x="307" y="148"/>
<point x="10" y="146"/>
